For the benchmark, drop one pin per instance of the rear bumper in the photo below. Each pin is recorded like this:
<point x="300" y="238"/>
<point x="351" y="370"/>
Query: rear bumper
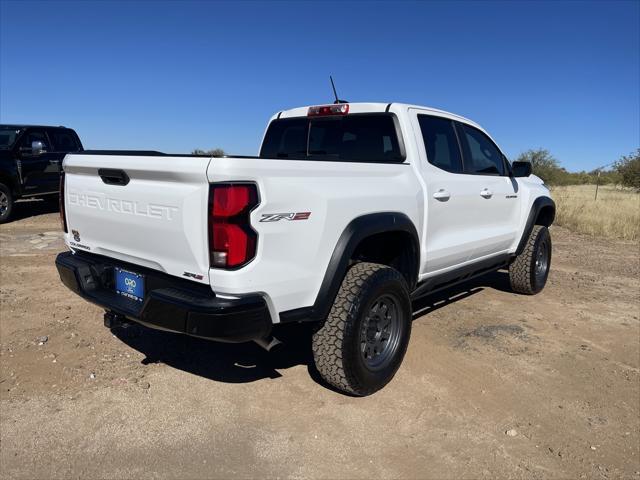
<point x="169" y="303"/>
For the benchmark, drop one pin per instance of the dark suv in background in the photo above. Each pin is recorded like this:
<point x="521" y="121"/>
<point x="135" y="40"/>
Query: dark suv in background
<point x="30" y="162"/>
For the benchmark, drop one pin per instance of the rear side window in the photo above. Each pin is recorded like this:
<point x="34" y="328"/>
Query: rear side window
<point x="441" y="143"/>
<point x="8" y="136"/>
<point x="363" y="138"/>
<point x="63" y="141"/>
<point x="481" y="154"/>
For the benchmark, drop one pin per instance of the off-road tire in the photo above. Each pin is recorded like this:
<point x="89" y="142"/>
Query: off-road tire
<point x="523" y="274"/>
<point x="338" y="344"/>
<point x="6" y="195"/>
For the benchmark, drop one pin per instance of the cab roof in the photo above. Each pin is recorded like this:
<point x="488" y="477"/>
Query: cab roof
<point x="378" y="107"/>
<point x="23" y="126"/>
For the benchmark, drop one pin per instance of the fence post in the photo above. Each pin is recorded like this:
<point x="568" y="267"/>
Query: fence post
<point x="597" y="185"/>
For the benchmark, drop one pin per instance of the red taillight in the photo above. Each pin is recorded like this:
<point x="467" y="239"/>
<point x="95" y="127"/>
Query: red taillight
<point x="232" y="241"/>
<point x="63" y="215"/>
<point x="230" y="200"/>
<point x="335" y="109"/>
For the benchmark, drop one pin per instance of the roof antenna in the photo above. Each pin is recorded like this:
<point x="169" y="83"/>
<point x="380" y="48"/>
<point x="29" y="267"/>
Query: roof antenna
<point x="335" y="94"/>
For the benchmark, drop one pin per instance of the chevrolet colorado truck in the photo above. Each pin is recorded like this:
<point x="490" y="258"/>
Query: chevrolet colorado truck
<point x="349" y="212"/>
<point x="30" y="159"/>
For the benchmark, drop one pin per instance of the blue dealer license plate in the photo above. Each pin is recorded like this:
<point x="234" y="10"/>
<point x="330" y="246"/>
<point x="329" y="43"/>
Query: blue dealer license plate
<point x="129" y="284"/>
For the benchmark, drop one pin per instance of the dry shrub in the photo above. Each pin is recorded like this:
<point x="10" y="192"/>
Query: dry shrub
<point x="615" y="214"/>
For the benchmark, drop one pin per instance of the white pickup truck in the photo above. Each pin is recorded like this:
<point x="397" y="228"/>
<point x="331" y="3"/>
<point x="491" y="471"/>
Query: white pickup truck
<point x="350" y="211"/>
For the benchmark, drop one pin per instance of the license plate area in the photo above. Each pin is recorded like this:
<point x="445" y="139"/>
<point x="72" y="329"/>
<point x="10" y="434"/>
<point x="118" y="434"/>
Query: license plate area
<point x="129" y="284"/>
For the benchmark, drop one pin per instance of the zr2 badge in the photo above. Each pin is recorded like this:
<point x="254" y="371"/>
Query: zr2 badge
<point x="276" y="217"/>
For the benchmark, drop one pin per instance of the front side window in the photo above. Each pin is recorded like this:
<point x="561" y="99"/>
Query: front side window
<point x="481" y="154"/>
<point x="365" y="137"/>
<point x="441" y="143"/>
<point x="34" y="136"/>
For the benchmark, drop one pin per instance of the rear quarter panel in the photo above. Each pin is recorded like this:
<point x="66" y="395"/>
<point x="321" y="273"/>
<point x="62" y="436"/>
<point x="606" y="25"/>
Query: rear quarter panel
<point x="292" y="256"/>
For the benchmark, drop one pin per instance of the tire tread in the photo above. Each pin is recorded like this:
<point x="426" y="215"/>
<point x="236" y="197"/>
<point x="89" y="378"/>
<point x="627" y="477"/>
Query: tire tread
<point x="328" y="341"/>
<point x="521" y="276"/>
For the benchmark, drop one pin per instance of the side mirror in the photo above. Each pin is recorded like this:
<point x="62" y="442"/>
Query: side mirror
<point x="37" y="147"/>
<point x="521" y="169"/>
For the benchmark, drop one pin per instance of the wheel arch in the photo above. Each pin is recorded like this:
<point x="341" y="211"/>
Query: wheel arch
<point x="543" y="212"/>
<point x="359" y="242"/>
<point x="7" y="180"/>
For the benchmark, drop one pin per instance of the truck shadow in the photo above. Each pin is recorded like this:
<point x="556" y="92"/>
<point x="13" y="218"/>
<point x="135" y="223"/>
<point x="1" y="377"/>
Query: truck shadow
<point x="224" y="362"/>
<point x="247" y="362"/>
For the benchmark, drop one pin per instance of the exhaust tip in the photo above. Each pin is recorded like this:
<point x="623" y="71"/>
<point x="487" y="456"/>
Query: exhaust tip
<point x="268" y="343"/>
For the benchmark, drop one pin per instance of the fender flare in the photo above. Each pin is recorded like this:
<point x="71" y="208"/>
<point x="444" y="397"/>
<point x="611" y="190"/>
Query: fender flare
<point x="538" y="205"/>
<point x="355" y="232"/>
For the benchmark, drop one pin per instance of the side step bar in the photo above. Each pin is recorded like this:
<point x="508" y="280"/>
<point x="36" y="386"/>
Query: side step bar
<point x="449" y="279"/>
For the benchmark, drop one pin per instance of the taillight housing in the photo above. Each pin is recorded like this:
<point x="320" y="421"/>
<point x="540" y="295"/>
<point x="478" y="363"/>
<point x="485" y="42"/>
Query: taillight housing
<point x="63" y="214"/>
<point x="232" y="241"/>
<point x="323" y="110"/>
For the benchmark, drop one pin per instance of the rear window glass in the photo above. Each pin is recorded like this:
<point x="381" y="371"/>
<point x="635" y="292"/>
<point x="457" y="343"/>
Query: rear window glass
<point x="365" y="138"/>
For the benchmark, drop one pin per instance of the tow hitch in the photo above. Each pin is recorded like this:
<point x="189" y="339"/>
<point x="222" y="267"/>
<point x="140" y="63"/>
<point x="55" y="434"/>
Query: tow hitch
<point x="115" y="320"/>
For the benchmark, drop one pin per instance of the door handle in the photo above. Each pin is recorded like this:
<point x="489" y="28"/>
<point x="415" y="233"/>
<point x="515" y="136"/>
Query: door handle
<point x="442" y="195"/>
<point x="486" y="193"/>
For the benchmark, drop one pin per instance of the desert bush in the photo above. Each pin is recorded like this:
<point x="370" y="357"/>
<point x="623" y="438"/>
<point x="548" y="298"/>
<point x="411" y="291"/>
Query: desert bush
<point x="547" y="167"/>
<point x="544" y="165"/>
<point x="216" y="152"/>
<point x="628" y="168"/>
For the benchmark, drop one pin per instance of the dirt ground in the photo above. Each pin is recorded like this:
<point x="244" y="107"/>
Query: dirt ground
<point x="493" y="385"/>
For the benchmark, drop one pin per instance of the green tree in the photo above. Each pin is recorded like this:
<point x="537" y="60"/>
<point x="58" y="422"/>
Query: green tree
<point x="544" y="165"/>
<point x="628" y="168"/>
<point x="216" y="152"/>
<point x="607" y="177"/>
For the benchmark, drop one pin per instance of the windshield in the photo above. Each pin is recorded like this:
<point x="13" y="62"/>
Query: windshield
<point x="359" y="138"/>
<point x="8" y="137"/>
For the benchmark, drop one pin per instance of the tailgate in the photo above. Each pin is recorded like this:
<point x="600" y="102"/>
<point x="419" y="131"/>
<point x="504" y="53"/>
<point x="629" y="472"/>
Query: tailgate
<point x="158" y="219"/>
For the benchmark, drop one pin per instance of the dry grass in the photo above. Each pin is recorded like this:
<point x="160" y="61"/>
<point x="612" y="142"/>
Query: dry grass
<point x="616" y="213"/>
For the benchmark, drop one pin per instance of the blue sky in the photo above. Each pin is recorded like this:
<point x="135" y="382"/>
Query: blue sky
<point x="174" y="76"/>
